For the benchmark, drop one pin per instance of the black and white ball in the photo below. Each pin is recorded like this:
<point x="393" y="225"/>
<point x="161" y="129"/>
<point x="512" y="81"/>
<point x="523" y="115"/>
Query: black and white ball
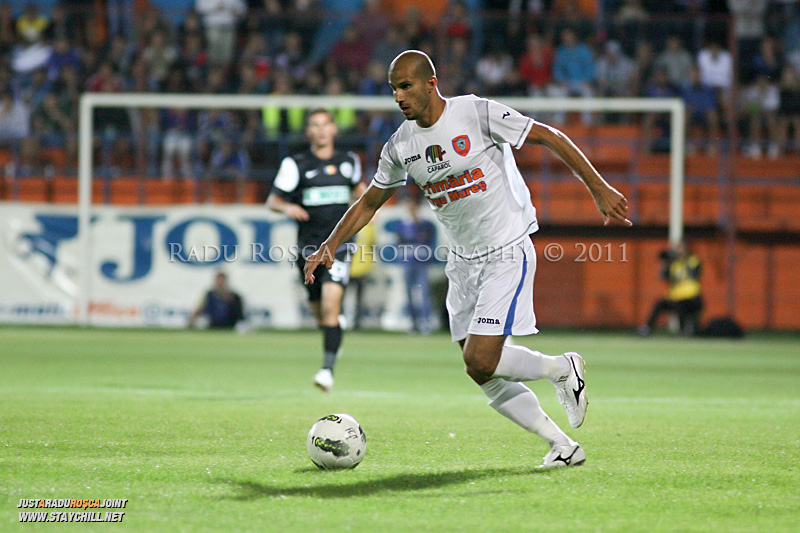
<point x="336" y="442"/>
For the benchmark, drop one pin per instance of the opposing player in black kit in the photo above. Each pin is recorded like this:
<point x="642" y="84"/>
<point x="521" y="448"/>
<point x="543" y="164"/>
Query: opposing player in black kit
<point x="315" y="188"/>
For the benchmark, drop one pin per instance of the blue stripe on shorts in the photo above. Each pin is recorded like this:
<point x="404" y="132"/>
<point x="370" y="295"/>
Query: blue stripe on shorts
<point x="513" y="308"/>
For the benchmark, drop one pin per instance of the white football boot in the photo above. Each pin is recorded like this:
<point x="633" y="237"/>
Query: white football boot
<point x="571" y="390"/>
<point x="560" y="456"/>
<point x="324" y="380"/>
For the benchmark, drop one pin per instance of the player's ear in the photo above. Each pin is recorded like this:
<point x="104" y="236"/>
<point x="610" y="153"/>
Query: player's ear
<point x="433" y="82"/>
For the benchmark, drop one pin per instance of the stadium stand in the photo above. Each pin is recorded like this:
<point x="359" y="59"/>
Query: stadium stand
<point x="732" y="188"/>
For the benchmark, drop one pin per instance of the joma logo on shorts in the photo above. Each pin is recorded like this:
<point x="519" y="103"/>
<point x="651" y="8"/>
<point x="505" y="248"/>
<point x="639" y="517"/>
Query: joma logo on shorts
<point x="482" y="320"/>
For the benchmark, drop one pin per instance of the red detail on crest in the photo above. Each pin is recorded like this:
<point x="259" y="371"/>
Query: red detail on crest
<point x="461" y="145"/>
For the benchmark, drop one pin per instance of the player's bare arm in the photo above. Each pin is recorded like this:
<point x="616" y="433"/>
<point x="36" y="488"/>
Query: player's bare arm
<point x="358" y="191"/>
<point x="357" y="216"/>
<point x="291" y="210"/>
<point x="610" y="202"/>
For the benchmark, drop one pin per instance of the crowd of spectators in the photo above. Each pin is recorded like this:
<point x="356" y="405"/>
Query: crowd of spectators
<point x="736" y="63"/>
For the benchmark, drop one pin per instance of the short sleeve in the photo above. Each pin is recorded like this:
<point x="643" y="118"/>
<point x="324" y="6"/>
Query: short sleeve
<point x="356" y="178"/>
<point x="288" y="176"/>
<point x="506" y="125"/>
<point x="389" y="173"/>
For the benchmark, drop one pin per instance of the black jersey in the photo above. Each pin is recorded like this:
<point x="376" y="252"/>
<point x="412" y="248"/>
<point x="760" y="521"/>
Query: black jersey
<point x="323" y="187"/>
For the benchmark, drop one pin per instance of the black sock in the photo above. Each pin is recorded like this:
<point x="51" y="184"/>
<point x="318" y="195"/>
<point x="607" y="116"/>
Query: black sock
<point x="332" y="336"/>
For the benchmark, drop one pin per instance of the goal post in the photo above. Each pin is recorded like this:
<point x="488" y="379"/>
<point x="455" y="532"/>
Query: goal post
<point x="91" y="101"/>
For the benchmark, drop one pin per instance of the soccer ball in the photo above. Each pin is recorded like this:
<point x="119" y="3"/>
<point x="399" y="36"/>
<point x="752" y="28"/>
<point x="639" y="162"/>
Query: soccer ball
<point x="336" y="442"/>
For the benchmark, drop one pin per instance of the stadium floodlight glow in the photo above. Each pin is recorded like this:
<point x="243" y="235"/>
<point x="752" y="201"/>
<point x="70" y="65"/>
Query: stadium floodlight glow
<point x="90" y="101"/>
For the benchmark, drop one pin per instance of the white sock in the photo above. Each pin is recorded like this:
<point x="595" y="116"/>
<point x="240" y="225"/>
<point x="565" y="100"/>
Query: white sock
<point x="518" y="363"/>
<point x="519" y="404"/>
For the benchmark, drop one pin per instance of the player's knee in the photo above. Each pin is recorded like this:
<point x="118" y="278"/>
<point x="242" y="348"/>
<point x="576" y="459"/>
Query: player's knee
<point x="479" y="367"/>
<point x="331" y="312"/>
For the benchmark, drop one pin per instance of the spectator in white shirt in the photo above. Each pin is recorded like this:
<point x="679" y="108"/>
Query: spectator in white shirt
<point x="14" y="119"/>
<point x="760" y="102"/>
<point x="615" y="71"/>
<point x="220" y="18"/>
<point x="716" y="66"/>
<point x="716" y="70"/>
<point x="676" y="61"/>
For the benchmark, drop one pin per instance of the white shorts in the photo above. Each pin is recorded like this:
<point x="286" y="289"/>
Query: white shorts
<point x="493" y="296"/>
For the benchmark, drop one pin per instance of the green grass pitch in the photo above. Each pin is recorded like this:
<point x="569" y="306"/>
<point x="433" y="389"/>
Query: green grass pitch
<point x="204" y="431"/>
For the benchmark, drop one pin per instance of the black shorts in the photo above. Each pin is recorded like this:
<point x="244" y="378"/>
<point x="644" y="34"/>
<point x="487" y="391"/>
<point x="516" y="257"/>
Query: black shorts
<point x="338" y="273"/>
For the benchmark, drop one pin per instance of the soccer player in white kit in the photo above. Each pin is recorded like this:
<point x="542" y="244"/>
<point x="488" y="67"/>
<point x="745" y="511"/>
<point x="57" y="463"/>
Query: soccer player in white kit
<point x="458" y="151"/>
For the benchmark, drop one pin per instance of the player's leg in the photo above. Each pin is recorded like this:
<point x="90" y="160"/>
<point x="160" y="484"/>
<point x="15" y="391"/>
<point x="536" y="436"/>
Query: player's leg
<point x="489" y="357"/>
<point x="482" y="354"/>
<point x="502" y="306"/>
<point x="313" y="291"/>
<point x="662" y="306"/>
<point x="516" y="401"/>
<point x="324" y="378"/>
<point x="334" y="281"/>
<point x="409" y="276"/>
<point x="316" y="310"/>
<point x="332" y="294"/>
<point x="425" y="311"/>
<point x="688" y="311"/>
<point x="519" y="363"/>
<point x="505" y="306"/>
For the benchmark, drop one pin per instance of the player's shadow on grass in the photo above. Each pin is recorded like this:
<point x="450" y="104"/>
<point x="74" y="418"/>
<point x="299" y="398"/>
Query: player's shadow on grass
<point x="252" y="490"/>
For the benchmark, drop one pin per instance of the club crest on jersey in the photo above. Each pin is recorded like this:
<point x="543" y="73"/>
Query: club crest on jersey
<point x="434" y="153"/>
<point x="461" y="145"/>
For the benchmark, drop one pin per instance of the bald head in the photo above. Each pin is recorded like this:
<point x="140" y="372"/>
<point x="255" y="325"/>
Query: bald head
<point x="415" y="87"/>
<point x="414" y="62"/>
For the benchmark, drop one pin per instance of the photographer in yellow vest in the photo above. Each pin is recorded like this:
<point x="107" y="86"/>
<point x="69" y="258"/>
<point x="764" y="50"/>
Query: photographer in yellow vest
<point x="682" y="271"/>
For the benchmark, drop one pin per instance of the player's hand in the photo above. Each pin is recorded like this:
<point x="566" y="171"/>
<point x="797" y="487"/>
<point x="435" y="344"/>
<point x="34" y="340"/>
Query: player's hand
<point x="612" y="204"/>
<point x="295" y="212"/>
<point x="324" y="256"/>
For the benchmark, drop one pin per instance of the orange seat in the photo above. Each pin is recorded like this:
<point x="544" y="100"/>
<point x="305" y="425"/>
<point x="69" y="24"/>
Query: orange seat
<point x="783" y="167"/>
<point x="569" y="203"/>
<point x="159" y="192"/>
<point x="701" y="204"/>
<point x="653" y="165"/>
<point x="55" y="156"/>
<point x="65" y="190"/>
<point x="32" y="189"/>
<point x="529" y="157"/>
<point x="704" y="166"/>
<point x="6" y="156"/>
<point x="784" y="204"/>
<point x="653" y="207"/>
<point x="612" y="155"/>
<point x="125" y="191"/>
<point x="626" y="132"/>
<point x="578" y="132"/>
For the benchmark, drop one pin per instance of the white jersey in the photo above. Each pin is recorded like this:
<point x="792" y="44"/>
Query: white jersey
<point x="466" y="169"/>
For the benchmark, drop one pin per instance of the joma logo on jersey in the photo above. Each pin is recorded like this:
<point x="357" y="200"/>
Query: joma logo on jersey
<point x="411" y="159"/>
<point x="482" y="320"/>
<point x="434" y="153"/>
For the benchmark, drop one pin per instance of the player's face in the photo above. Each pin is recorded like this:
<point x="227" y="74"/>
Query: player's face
<point x="410" y="91"/>
<point x="321" y="129"/>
